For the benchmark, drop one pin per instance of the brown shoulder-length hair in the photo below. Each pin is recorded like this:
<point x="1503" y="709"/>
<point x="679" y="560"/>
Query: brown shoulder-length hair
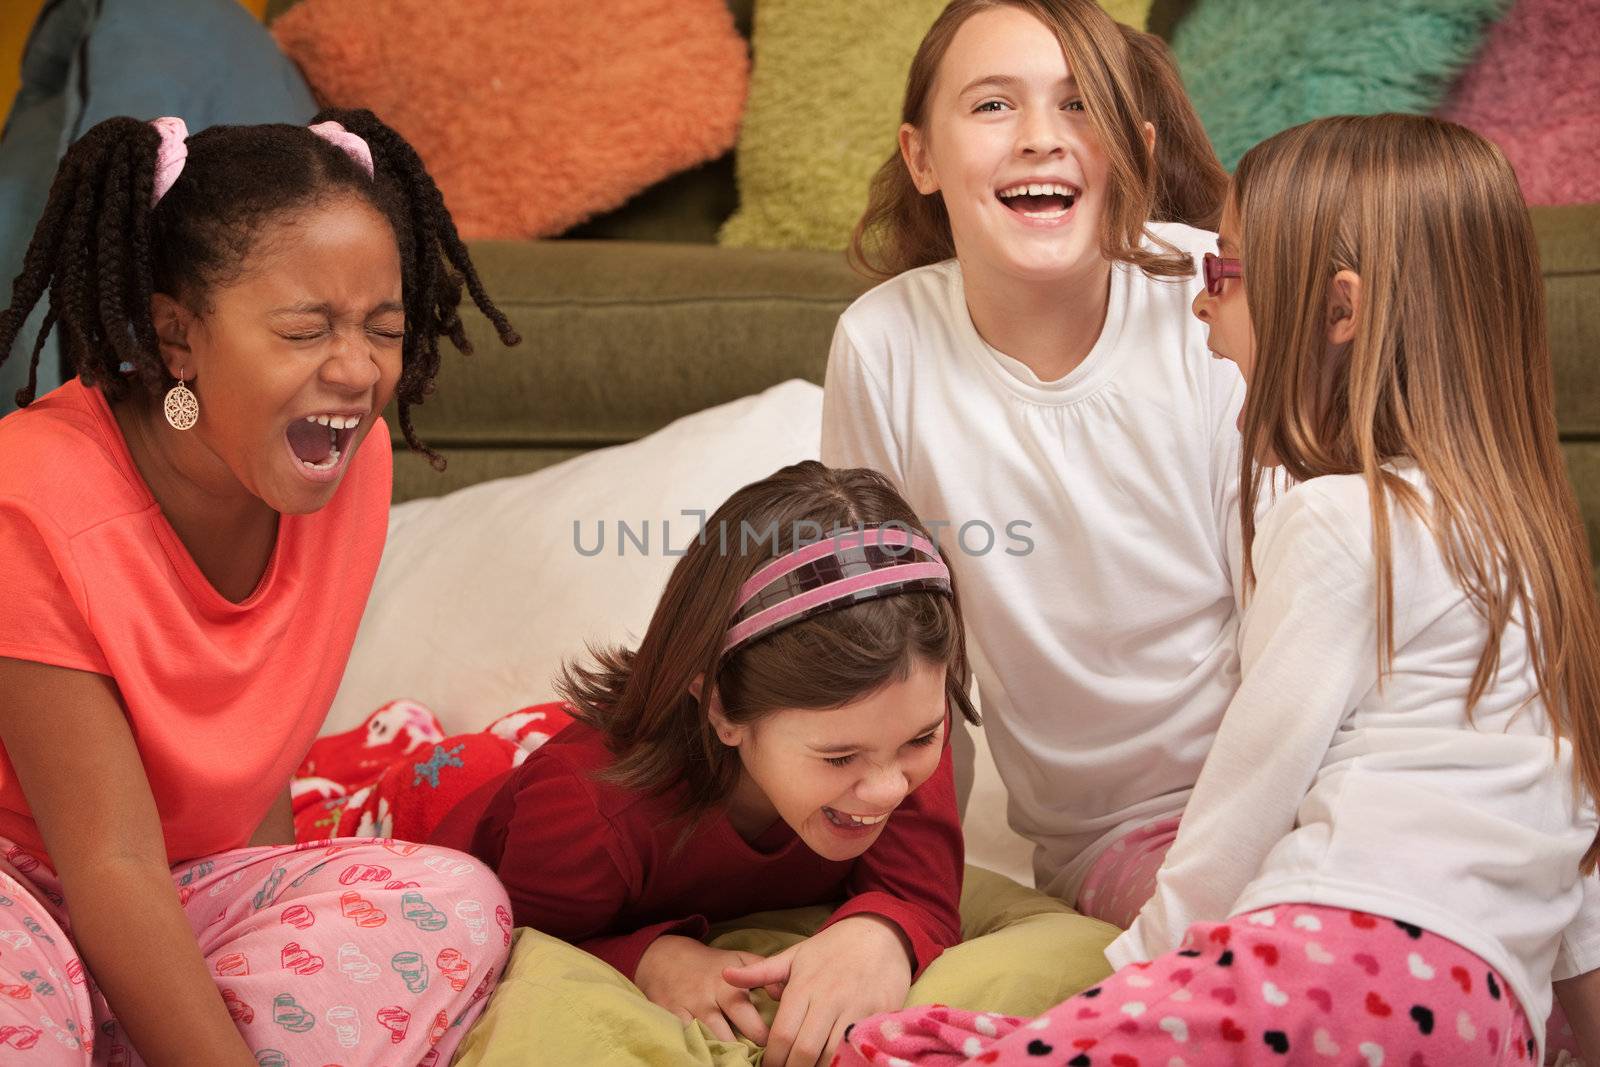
<point x="1449" y="366"/>
<point x="1127" y="78"/>
<point x="640" y="699"/>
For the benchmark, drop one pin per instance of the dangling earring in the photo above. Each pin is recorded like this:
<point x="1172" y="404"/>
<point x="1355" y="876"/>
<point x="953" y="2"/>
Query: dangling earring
<point x="182" y="408"/>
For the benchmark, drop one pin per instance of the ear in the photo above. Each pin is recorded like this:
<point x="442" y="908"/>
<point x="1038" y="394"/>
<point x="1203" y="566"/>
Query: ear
<point x="914" y="150"/>
<point x="1150" y="138"/>
<point x="729" y="733"/>
<point x="1344" y="304"/>
<point x="173" y="323"/>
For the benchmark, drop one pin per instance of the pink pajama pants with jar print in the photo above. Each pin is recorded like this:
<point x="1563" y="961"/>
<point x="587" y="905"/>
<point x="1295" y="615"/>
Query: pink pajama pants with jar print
<point x="330" y="952"/>
<point x="1291" y="984"/>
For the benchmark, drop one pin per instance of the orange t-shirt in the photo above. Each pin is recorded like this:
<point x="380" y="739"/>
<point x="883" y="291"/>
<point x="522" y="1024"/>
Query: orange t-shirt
<point x="223" y="699"/>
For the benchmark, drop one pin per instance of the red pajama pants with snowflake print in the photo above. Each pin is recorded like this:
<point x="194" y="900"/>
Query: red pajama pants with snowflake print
<point x="398" y="773"/>
<point x="1291" y="984"/>
<point x="342" y="952"/>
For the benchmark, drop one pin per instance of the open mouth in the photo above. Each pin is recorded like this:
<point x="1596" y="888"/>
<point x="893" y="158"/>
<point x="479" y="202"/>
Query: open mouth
<point x="845" y="821"/>
<point x="1039" y="200"/>
<point x="320" y="441"/>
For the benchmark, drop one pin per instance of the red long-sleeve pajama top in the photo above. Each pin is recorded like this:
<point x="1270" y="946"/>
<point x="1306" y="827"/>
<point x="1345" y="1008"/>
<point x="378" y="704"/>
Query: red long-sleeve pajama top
<point x="597" y="865"/>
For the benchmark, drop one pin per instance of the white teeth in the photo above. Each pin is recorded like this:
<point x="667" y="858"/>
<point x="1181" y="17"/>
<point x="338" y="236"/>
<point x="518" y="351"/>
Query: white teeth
<point x="335" y="422"/>
<point x="856" y="820"/>
<point x="326" y="465"/>
<point x="1037" y="189"/>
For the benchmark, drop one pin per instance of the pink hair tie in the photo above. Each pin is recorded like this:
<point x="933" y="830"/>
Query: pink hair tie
<point x="170" y="156"/>
<point x="351" y="144"/>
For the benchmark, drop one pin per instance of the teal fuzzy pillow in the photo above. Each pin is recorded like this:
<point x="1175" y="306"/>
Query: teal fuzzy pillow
<point x="1254" y="67"/>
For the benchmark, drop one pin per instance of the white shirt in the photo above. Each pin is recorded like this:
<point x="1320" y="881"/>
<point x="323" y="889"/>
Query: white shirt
<point x="1323" y="788"/>
<point x="1106" y="649"/>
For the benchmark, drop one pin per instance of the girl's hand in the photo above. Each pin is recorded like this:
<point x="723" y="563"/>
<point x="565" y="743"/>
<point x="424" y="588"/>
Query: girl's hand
<point x="685" y="977"/>
<point x="857" y="967"/>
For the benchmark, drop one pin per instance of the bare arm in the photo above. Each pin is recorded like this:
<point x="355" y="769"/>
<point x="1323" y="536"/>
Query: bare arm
<point x="278" y="827"/>
<point x="75" y="758"/>
<point x="1580" y="999"/>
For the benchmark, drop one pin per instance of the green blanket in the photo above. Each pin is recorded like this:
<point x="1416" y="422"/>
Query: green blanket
<point x="1021" y="952"/>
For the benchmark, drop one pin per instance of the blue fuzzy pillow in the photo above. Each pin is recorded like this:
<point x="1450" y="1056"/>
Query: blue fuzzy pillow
<point x="1254" y="67"/>
<point x="206" y="61"/>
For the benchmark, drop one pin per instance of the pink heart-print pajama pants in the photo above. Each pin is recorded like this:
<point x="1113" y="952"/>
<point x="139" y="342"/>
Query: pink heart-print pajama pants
<point x="1291" y="984"/>
<point x="330" y="952"/>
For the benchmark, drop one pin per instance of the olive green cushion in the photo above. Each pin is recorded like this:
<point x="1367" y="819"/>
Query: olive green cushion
<point x="557" y="1005"/>
<point x="821" y="116"/>
<point x="823" y="111"/>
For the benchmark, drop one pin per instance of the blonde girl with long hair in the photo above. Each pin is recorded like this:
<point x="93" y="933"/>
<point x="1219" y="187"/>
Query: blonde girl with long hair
<point x="1381" y="860"/>
<point x="1030" y="377"/>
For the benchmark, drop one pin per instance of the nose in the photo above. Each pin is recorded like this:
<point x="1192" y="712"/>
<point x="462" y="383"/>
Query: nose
<point x="1038" y="134"/>
<point x="1202" y="306"/>
<point x="352" y="364"/>
<point x="883" y="787"/>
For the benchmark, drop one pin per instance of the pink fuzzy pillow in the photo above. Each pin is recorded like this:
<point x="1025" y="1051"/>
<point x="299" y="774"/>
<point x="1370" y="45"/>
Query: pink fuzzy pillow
<point x="1534" y="90"/>
<point x="532" y="116"/>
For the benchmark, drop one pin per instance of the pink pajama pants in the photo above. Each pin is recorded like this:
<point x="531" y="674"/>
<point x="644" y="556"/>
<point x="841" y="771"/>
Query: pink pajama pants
<point x="332" y="952"/>
<point x="1291" y="984"/>
<point x="1123" y="878"/>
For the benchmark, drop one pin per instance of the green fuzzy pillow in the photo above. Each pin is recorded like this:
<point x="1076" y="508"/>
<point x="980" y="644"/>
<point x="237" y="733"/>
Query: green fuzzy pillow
<point x="1254" y="68"/>
<point x="824" y="111"/>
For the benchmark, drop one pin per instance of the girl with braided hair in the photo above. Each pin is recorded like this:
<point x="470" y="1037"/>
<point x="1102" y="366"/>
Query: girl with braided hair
<point x="190" y="529"/>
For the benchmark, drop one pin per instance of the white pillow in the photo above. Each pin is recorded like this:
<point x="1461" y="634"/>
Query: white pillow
<point x="483" y="593"/>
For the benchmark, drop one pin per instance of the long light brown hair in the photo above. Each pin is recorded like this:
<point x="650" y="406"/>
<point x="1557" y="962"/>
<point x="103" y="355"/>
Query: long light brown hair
<point x="1127" y="78"/>
<point x="1449" y="366"/>
<point x="641" y="700"/>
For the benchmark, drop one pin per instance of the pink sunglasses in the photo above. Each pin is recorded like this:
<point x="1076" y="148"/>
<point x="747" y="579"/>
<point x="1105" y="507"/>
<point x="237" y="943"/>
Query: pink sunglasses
<point x="1217" y="268"/>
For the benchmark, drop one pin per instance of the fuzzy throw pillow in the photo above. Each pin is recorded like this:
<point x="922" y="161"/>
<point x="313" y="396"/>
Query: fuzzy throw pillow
<point x="536" y="115"/>
<point x="1255" y="68"/>
<point x="824" y="111"/>
<point x="1535" y="91"/>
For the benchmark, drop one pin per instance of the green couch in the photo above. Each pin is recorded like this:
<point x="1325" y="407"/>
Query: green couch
<point x="623" y="335"/>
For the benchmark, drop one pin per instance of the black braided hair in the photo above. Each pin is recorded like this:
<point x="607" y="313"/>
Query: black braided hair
<point x="100" y="250"/>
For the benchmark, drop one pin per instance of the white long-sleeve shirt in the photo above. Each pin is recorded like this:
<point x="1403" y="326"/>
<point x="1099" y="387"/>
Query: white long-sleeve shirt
<point x="1324" y="788"/>
<point x="1104" y="628"/>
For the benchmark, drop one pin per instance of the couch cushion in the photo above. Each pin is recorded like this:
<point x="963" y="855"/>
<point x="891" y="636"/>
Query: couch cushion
<point x="1255" y="68"/>
<point x="824" y="107"/>
<point x="534" y="116"/>
<point x="1569" y="250"/>
<point x="620" y="338"/>
<point x="1535" y="91"/>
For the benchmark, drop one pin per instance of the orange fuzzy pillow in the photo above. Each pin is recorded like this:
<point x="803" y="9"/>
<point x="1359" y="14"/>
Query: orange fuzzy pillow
<point x="536" y="115"/>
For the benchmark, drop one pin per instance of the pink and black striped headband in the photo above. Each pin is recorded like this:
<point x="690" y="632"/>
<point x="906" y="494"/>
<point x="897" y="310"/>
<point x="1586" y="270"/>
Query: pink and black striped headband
<point x="845" y="568"/>
<point x="174" y="152"/>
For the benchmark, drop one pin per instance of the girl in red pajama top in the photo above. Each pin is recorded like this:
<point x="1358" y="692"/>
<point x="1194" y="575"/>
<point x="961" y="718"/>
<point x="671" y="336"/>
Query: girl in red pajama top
<point x="777" y="739"/>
